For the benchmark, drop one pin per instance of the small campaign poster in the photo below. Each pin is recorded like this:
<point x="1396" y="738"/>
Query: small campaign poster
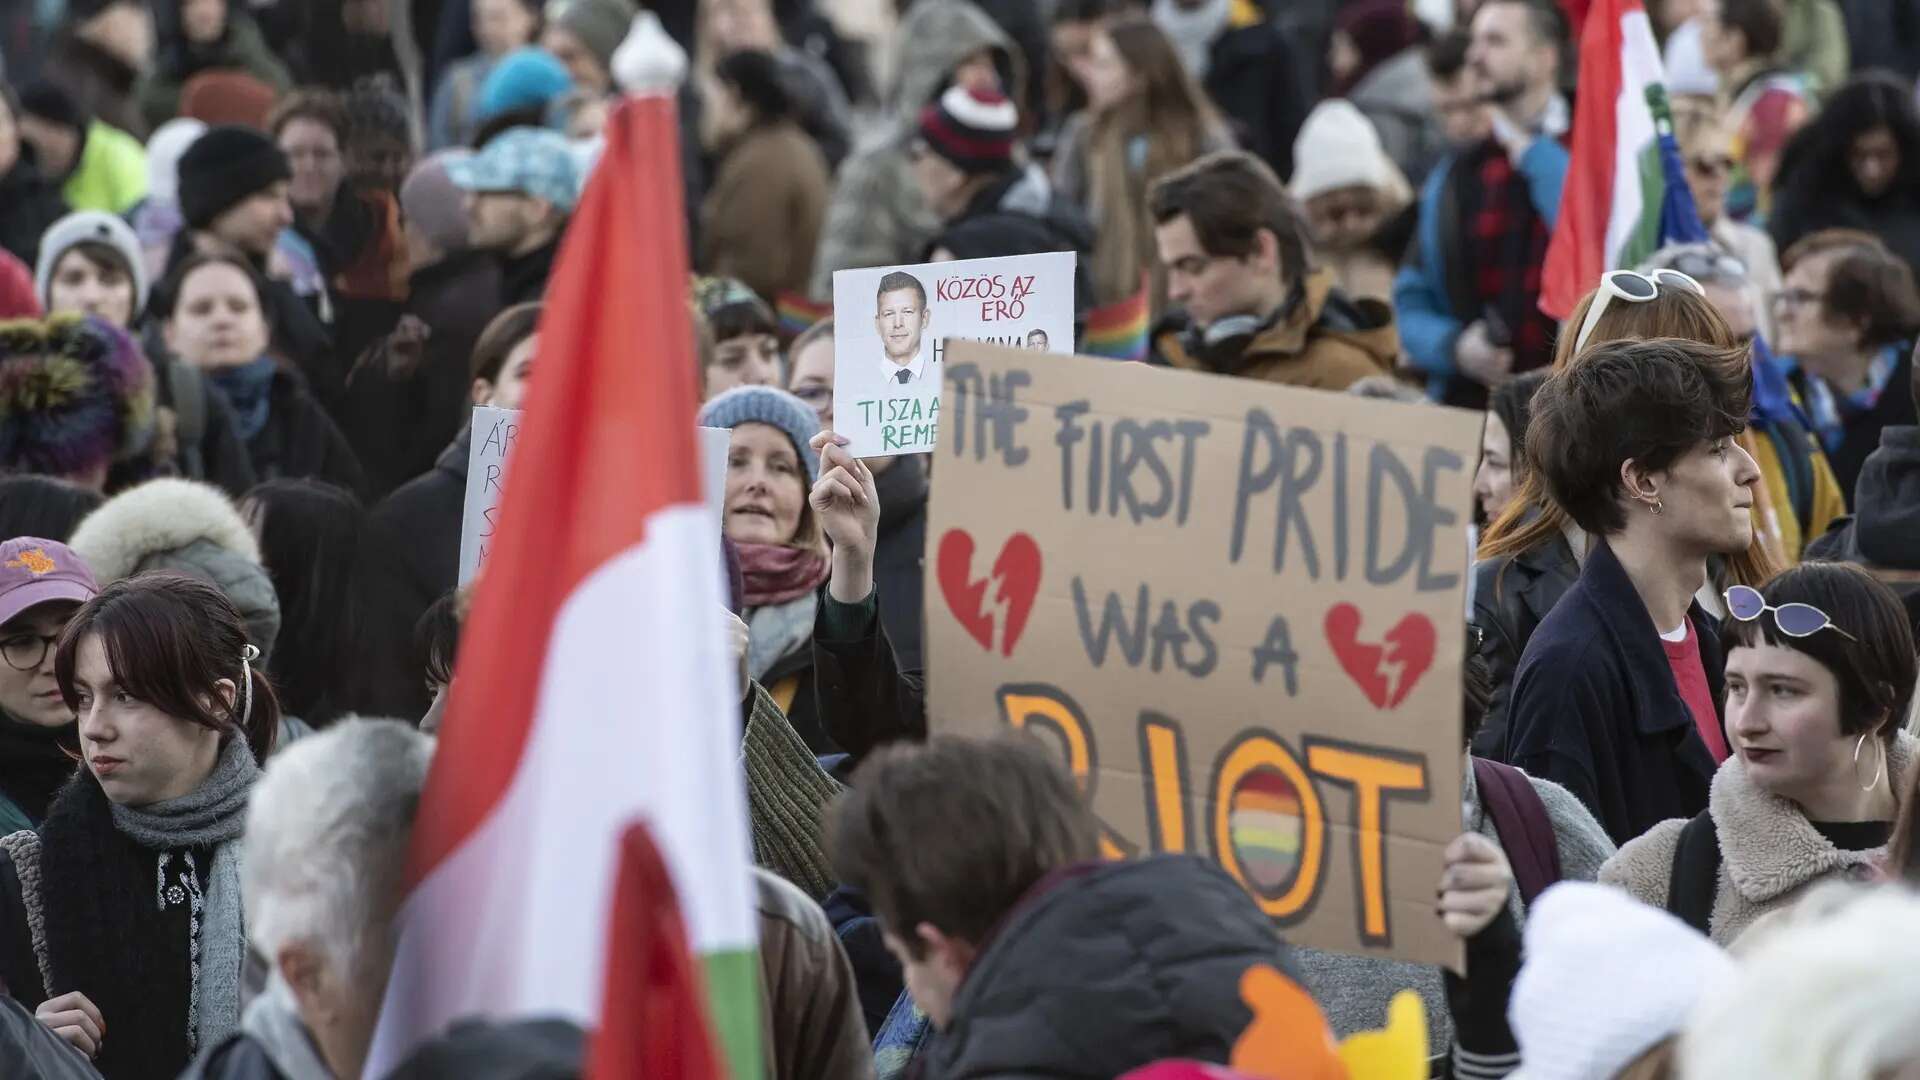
<point x="494" y="433"/>
<point x="891" y="325"/>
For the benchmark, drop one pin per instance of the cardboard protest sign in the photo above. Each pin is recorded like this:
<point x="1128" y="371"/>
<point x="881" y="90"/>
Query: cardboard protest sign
<point x="1234" y="608"/>
<point x="494" y="433"/>
<point x="891" y="325"/>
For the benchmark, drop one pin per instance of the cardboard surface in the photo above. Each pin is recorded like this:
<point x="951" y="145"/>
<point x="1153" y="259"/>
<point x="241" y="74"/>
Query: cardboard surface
<point x="494" y="433"/>
<point x="1234" y="609"/>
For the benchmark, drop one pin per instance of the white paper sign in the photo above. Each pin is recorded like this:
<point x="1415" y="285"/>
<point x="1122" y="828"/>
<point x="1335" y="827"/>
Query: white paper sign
<point x="494" y="432"/>
<point x="891" y="324"/>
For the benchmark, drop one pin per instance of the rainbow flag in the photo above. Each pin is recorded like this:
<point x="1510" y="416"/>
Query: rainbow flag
<point x="1118" y="331"/>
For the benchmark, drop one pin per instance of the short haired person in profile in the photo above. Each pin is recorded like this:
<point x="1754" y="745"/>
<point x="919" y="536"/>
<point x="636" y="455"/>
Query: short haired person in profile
<point x="1037" y="340"/>
<point x="900" y="318"/>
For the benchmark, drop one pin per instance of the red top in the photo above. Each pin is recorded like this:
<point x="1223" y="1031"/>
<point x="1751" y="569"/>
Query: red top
<point x="1691" y="677"/>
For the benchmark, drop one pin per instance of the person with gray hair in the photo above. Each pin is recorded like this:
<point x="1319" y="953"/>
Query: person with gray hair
<point x="327" y="835"/>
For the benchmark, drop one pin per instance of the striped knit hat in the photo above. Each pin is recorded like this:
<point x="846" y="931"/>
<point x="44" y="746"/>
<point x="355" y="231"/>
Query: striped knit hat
<point x="972" y="129"/>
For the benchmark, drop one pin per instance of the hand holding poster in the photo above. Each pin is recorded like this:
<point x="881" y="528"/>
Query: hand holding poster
<point x="891" y="325"/>
<point x="494" y="433"/>
<point x="1234" y="608"/>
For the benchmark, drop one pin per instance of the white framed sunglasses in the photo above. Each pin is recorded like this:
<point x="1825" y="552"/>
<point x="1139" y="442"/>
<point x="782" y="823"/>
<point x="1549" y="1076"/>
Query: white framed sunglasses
<point x="1634" y="288"/>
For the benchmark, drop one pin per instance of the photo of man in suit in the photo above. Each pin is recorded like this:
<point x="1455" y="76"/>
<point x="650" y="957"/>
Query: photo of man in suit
<point x="900" y="318"/>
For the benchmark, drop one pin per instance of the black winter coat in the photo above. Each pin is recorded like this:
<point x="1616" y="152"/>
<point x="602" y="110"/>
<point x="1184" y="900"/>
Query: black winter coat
<point x="411" y="559"/>
<point x="1264" y="82"/>
<point x="1511" y="595"/>
<point x="406" y="396"/>
<point x="863" y="696"/>
<point x="1862" y="437"/>
<point x="900" y="554"/>
<point x="1595" y="708"/>
<point x="1103" y="968"/>
<point x="301" y="441"/>
<point x="29" y="202"/>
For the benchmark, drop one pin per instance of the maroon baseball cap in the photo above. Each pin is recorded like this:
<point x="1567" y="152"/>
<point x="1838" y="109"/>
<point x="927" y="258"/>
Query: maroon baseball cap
<point x="35" y="571"/>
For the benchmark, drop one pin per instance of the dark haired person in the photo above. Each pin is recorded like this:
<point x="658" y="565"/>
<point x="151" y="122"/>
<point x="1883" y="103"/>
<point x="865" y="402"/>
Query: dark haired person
<point x="1884" y="532"/>
<point x="90" y="264"/>
<point x="761" y="217"/>
<point x="412" y="548"/>
<point x="29" y="202"/>
<point x="966" y="163"/>
<point x="210" y="35"/>
<point x="521" y="189"/>
<point x="1849" y="316"/>
<point x="98" y="166"/>
<point x="42" y="583"/>
<point x="1820" y="671"/>
<point x="310" y="536"/>
<point x="122" y="911"/>
<point x="877" y="215"/>
<point x="1618" y="693"/>
<point x="233" y="191"/>
<point x="1030" y="955"/>
<point x="1503" y="443"/>
<point x="1468" y="299"/>
<point x="1250" y="301"/>
<point x="354" y="228"/>
<point x="35" y="505"/>
<point x="214" y="317"/>
<point x="746" y="337"/>
<point x="900" y="318"/>
<point x="1767" y="103"/>
<point x="1458" y="106"/>
<point x="1870" y="125"/>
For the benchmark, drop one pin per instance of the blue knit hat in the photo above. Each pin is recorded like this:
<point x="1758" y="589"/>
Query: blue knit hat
<point x="526" y="77"/>
<point x="766" y="405"/>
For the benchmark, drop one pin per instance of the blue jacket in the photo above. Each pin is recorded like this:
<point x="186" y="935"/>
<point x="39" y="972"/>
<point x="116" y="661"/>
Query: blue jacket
<point x="1433" y="293"/>
<point x="1595" y="708"/>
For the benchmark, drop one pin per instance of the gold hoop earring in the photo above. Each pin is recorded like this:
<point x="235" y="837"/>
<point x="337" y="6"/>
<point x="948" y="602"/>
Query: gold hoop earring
<point x="1878" y="771"/>
<point x="1657" y="507"/>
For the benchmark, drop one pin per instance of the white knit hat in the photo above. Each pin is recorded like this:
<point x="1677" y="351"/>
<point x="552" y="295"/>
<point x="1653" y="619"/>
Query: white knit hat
<point x="1338" y="148"/>
<point x="1606" y="979"/>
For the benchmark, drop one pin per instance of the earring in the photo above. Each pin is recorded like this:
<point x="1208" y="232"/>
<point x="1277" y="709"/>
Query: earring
<point x="1878" y="771"/>
<point x="1657" y="506"/>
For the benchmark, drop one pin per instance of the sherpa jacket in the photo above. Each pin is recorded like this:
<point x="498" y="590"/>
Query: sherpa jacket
<point x="1769" y="852"/>
<point x="190" y="528"/>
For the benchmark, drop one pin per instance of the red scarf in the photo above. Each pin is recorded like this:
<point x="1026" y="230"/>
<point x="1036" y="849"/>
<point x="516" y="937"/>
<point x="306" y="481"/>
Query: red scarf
<point x="777" y="573"/>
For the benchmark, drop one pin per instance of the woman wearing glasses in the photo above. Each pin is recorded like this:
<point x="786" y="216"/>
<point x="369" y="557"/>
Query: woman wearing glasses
<point x="42" y="583"/>
<point x="1820" y="671"/>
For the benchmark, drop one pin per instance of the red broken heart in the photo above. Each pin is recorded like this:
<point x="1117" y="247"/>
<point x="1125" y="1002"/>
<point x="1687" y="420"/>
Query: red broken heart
<point x="1385" y="673"/>
<point x="1018" y="571"/>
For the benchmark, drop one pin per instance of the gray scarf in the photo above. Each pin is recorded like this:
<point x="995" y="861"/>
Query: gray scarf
<point x="212" y="815"/>
<point x="776" y="630"/>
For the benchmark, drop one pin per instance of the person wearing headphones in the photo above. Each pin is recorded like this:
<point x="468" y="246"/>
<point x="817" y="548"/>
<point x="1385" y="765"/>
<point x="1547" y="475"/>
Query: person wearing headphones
<point x="1249" y="301"/>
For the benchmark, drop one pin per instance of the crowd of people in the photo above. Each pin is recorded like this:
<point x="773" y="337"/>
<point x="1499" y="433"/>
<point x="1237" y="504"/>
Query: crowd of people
<point x="259" y="261"/>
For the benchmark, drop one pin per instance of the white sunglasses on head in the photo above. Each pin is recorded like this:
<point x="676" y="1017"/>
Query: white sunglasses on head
<point x="1634" y="288"/>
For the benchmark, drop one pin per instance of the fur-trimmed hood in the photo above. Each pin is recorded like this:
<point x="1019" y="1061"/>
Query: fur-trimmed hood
<point x="187" y="527"/>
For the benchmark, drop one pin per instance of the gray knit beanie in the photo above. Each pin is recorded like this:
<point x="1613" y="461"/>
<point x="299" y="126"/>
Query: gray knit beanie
<point x="766" y="405"/>
<point x="601" y="25"/>
<point x="433" y="204"/>
<point x="91" y="226"/>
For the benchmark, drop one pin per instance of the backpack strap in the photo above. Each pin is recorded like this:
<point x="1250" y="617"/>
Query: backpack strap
<point x="24" y="848"/>
<point x="1520" y="819"/>
<point x="1696" y="873"/>
<point x="190" y="416"/>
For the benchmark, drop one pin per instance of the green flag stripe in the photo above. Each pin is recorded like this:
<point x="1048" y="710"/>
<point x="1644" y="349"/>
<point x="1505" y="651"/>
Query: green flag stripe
<point x="733" y="1005"/>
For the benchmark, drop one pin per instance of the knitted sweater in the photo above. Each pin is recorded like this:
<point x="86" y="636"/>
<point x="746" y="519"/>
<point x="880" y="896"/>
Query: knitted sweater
<point x="787" y="797"/>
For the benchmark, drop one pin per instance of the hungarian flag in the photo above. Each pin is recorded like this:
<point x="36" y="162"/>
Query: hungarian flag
<point x="593" y="696"/>
<point x="1610" y="206"/>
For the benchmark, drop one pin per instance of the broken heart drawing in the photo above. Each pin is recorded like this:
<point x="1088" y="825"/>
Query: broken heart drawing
<point x="1016" y="570"/>
<point x="1386" y="672"/>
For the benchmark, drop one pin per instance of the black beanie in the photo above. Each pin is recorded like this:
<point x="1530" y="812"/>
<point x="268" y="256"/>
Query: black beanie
<point x="54" y="105"/>
<point x="223" y="167"/>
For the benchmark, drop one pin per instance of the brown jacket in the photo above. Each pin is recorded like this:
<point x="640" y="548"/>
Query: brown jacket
<point x="761" y="218"/>
<point x="811" y="1026"/>
<point x="1769" y="853"/>
<point x="1329" y="342"/>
